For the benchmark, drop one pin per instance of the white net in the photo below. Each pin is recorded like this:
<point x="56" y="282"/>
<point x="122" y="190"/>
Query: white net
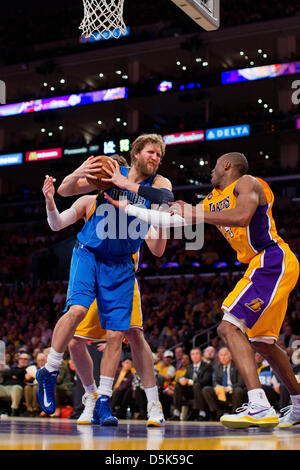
<point x="103" y="18"/>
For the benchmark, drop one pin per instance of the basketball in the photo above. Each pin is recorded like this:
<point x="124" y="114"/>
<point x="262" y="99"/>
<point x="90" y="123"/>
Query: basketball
<point x="99" y="184"/>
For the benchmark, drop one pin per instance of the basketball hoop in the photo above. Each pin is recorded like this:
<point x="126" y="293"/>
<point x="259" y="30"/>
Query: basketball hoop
<point x="103" y="18"/>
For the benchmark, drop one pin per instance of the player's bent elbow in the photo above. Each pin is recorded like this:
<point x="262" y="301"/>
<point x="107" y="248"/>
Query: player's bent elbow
<point x="244" y="220"/>
<point x="62" y="192"/>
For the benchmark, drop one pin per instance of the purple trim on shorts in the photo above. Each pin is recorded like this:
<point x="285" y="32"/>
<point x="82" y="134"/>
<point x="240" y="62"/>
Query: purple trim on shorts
<point x="256" y="298"/>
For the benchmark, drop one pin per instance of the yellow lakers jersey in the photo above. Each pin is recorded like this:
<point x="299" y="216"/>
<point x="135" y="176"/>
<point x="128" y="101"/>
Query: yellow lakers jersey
<point x="258" y="235"/>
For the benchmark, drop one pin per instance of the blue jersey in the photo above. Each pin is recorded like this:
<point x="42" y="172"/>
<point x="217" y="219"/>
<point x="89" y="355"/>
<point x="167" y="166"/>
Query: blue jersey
<point x="108" y="231"/>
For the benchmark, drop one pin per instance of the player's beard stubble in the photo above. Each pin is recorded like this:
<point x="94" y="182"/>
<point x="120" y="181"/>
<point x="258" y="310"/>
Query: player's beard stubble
<point x="146" y="168"/>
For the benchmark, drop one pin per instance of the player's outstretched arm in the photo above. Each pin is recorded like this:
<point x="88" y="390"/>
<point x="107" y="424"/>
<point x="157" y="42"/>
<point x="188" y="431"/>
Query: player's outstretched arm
<point x="247" y="193"/>
<point x="76" y="182"/>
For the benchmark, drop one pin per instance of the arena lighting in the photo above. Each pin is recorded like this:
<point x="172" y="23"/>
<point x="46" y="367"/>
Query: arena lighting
<point x="11" y="159"/>
<point x="66" y="101"/>
<point x="258" y="73"/>
<point x="165" y="86"/>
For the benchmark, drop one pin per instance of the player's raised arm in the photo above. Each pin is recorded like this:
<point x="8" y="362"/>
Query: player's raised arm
<point x="57" y="221"/>
<point x="76" y="182"/>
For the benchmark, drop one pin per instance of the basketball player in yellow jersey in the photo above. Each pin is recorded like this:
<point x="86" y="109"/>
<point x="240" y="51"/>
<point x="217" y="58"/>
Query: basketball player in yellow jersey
<point x="240" y="206"/>
<point x="90" y="330"/>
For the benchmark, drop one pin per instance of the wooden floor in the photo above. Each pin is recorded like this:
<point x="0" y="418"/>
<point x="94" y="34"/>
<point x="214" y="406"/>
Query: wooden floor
<point x="64" y="434"/>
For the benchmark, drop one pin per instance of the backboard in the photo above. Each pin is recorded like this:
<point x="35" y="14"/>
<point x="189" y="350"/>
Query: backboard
<point x="2" y="92"/>
<point x="205" y="12"/>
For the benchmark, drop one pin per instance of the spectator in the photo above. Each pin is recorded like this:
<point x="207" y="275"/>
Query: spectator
<point x="190" y="386"/>
<point x="209" y="354"/>
<point x="268" y="380"/>
<point x="165" y="368"/>
<point x="63" y="389"/>
<point x="179" y="352"/>
<point x="13" y="382"/>
<point x="167" y="399"/>
<point x="122" y="389"/>
<point x="30" y="389"/>
<point x="228" y="389"/>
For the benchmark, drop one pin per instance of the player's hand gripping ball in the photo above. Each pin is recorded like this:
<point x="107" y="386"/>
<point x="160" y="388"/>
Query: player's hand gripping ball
<point x="98" y="183"/>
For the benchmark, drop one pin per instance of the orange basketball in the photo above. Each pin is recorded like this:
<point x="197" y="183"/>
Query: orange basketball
<point x="99" y="184"/>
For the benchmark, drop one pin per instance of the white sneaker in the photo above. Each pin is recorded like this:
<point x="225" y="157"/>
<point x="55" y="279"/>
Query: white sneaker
<point x="89" y="401"/>
<point x="251" y="415"/>
<point x="289" y="417"/>
<point x="155" y="414"/>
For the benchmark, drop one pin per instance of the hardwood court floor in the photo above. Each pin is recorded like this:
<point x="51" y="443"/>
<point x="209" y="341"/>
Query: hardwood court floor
<point x="64" y="434"/>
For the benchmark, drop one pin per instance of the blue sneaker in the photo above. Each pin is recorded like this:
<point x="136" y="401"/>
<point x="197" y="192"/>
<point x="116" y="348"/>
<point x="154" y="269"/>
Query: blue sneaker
<point x="46" y="389"/>
<point x="103" y="414"/>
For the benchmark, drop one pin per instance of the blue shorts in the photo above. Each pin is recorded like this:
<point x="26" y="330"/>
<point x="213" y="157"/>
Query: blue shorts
<point x="110" y="281"/>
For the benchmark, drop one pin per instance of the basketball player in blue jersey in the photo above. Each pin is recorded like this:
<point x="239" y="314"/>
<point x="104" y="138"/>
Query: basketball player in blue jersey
<point x="102" y="268"/>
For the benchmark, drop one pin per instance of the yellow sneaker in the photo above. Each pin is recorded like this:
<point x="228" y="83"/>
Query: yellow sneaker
<point x="251" y="415"/>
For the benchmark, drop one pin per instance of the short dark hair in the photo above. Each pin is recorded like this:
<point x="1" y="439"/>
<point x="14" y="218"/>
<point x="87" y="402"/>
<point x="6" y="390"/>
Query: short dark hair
<point x="240" y="162"/>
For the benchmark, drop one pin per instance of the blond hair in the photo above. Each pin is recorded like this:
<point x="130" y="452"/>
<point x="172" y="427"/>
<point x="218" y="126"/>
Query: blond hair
<point x="144" y="139"/>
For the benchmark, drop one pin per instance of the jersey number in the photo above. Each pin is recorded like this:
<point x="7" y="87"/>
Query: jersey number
<point x="226" y="231"/>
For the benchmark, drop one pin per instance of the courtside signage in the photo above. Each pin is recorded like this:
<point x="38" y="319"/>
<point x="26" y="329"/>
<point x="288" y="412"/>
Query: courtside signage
<point x="38" y="155"/>
<point x="230" y="132"/>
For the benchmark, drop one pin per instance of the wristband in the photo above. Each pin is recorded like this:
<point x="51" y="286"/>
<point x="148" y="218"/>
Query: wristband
<point x="156" y="195"/>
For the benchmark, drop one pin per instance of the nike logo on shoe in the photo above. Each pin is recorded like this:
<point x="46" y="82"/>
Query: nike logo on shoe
<point x="47" y="404"/>
<point x="257" y="412"/>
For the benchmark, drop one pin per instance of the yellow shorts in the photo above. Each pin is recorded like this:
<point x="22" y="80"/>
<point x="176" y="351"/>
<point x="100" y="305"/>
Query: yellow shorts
<point x="259" y="301"/>
<point x="90" y="327"/>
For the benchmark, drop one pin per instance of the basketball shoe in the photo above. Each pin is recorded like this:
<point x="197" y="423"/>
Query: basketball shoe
<point x="155" y="414"/>
<point x="290" y="417"/>
<point x="102" y="413"/>
<point x="46" y="389"/>
<point x="89" y="401"/>
<point x="250" y="414"/>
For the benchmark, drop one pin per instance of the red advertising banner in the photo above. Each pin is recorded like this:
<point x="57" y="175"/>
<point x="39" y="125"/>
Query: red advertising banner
<point x="38" y="155"/>
<point x="184" y="137"/>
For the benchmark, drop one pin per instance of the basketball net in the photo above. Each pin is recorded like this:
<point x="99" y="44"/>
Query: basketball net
<point x="103" y="18"/>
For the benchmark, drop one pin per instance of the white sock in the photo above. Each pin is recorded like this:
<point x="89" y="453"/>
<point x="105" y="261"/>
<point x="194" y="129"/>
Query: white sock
<point x="257" y="396"/>
<point x="295" y="400"/>
<point x="90" y="388"/>
<point x="53" y="360"/>
<point x="105" y="385"/>
<point x="152" y="393"/>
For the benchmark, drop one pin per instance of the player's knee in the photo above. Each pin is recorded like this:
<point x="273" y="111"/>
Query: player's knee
<point x="225" y="329"/>
<point x="135" y="335"/>
<point x="115" y="338"/>
<point x="262" y="348"/>
<point x="75" y="345"/>
<point x="77" y="313"/>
